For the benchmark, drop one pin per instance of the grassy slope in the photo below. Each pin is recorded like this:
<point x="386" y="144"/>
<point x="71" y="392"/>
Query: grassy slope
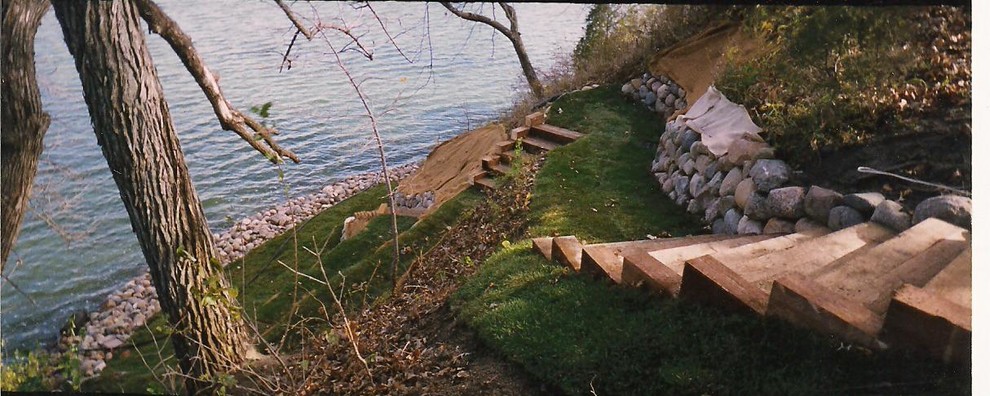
<point x="266" y="287"/>
<point x="574" y="333"/>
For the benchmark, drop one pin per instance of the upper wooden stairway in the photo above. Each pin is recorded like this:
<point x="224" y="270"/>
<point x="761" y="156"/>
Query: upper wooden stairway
<point x="535" y="137"/>
<point x="864" y="284"/>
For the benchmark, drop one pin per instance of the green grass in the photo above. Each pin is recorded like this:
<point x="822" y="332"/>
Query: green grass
<point x="599" y="188"/>
<point x="573" y="333"/>
<point x="266" y="287"/>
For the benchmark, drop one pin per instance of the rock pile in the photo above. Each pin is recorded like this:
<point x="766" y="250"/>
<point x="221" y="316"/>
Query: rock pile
<point x="136" y="302"/>
<point x="659" y="93"/>
<point x="745" y="191"/>
<point x="415" y="201"/>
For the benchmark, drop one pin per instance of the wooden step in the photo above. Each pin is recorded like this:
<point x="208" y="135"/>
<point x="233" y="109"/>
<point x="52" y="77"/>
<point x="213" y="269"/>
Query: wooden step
<point x="555" y="133"/>
<point x="919" y="270"/>
<point x="500" y="169"/>
<point x="490" y="161"/>
<point x="919" y="319"/>
<point x="955" y="282"/>
<point x="768" y="246"/>
<point x="486" y="183"/>
<point x="806" y="303"/>
<point x="810" y="254"/>
<point x="538" y="145"/>
<point x="605" y="259"/>
<point x="708" y="281"/>
<point x="566" y="250"/>
<point x="640" y="269"/>
<point x="543" y="246"/>
<point x="860" y="278"/>
<point x="518" y="133"/>
<point x="674" y="258"/>
<point x="535" y="119"/>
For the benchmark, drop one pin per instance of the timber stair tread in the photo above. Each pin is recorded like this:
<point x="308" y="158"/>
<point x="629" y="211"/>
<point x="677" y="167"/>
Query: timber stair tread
<point x="535" y="137"/>
<point x="554" y="133"/>
<point x="535" y="144"/>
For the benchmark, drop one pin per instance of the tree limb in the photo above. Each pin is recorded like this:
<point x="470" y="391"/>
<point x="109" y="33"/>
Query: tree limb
<point x="478" y="18"/>
<point x="230" y="118"/>
<point x="295" y="21"/>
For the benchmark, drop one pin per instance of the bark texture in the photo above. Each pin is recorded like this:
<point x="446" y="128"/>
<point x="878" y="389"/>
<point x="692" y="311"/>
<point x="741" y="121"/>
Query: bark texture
<point x="23" y="126"/>
<point x="134" y="129"/>
<point x="512" y="33"/>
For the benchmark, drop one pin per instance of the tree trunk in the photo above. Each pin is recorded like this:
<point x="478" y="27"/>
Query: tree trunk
<point x="527" y="66"/>
<point x="134" y="129"/>
<point x="24" y="124"/>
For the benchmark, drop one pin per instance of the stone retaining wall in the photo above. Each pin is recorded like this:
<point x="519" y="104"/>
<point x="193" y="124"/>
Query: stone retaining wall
<point x="131" y="307"/>
<point x="747" y="191"/>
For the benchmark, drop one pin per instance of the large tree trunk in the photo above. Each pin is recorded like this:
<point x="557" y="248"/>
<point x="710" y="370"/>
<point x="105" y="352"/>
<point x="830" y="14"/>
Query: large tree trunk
<point x="23" y="126"/>
<point x="527" y="66"/>
<point x="134" y="129"/>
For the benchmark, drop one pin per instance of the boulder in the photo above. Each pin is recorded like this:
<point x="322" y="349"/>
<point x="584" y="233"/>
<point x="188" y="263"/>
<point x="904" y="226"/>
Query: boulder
<point x="806" y="223"/>
<point x="743" y="150"/>
<point x="688" y="167"/>
<point x="730" y="182"/>
<point x="777" y="225"/>
<point x="863" y="202"/>
<point x="650" y="98"/>
<point x="682" y="161"/>
<point x="719" y="227"/>
<point x="711" y="169"/>
<point x="660" y="107"/>
<point x="819" y="201"/>
<point x="695" y="206"/>
<point x="749" y="226"/>
<point x="844" y="216"/>
<point x="758" y="207"/>
<point x="714" y="183"/>
<point x="891" y="214"/>
<point x="636" y="83"/>
<point x="769" y="174"/>
<point x="681" y="184"/>
<point x="668" y="185"/>
<point x="697" y="185"/>
<point x="689" y="138"/>
<point x="718" y="207"/>
<point x="787" y="202"/>
<point x="701" y="163"/>
<point x="743" y="190"/>
<point x="954" y="209"/>
<point x="732" y="217"/>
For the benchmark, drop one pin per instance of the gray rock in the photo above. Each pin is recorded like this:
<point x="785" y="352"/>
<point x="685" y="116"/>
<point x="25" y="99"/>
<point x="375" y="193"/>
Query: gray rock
<point x="627" y="88"/>
<point x="697" y="148"/>
<point x="682" y="160"/>
<point x="778" y="226"/>
<point x="954" y="209"/>
<point x="682" y="200"/>
<point x="681" y="184"/>
<point x="701" y="163"/>
<point x="719" y="227"/>
<point x="744" y="189"/>
<point x="668" y="185"/>
<point x="805" y="224"/>
<point x="769" y="174"/>
<point x="662" y="91"/>
<point x="697" y="185"/>
<point x="891" y="214"/>
<point x="730" y="182"/>
<point x="718" y="207"/>
<point x="695" y="206"/>
<point x="863" y="202"/>
<point x="688" y="167"/>
<point x="743" y="150"/>
<point x="711" y="169"/>
<point x="659" y="106"/>
<point x="650" y="98"/>
<point x="749" y="226"/>
<point x="689" y="138"/>
<point x="670" y="100"/>
<point x="758" y="207"/>
<point x="661" y="177"/>
<point x="732" y="218"/>
<point x="643" y="91"/>
<point x="843" y="216"/>
<point x="819" y="201"/>
<point x="787" y="202"/>
<point x="715" y="183"/>
<point x="680" y="104"/>
<point x="747" y="166"/>
<point x="670" y="148"/>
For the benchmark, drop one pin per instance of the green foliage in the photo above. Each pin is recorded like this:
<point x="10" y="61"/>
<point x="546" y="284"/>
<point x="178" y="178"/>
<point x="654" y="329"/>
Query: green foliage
<point x="263" y="110"/>
<point x="39" y="371"/>
<point x="599" y="188"/>
<point x="826" y="78"/>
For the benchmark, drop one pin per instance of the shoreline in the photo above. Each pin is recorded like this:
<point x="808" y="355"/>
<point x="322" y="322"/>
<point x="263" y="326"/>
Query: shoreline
<point x="133" y="305"/>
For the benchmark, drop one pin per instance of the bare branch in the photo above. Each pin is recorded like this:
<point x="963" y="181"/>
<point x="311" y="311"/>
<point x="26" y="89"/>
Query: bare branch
<point x="230" y="118"/>
<point x="478" y="18"/>
<point x="295" y="21"/>
<point x="387" y="34"/>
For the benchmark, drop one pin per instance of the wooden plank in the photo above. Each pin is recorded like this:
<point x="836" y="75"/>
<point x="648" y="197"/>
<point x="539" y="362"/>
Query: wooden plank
<point x="567" y="251"/>
<point x="606" y="258"/>
<point x="917" y="271"/>
<point x="536" y="145"/>
<point x="641" y="269"/>
<point x="485" y="183"/>
<point x="803" y="302"/>
<point x="555" y="133"/>
<point x="810" y="254"/>
<point x="535" y="119"/>
<point x="955" y="282"/>
<point x="519" y="133"/>
<point x="921" y="320"/>
<point x="753" y="250"/>
<point x="708" y="281"/>
<point x="674" y="258"/>
<point x="859" y="278"/>
<point x="543" y="246"/>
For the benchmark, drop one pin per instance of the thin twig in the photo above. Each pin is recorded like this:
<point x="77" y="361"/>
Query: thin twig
<point x="295" y="21"/>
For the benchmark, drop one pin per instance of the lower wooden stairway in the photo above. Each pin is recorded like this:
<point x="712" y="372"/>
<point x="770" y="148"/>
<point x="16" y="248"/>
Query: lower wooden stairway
<point x="535" y="137"/>
<point x="865" y="284"/>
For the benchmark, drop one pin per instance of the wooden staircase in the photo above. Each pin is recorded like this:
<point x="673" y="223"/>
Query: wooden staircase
<point x="536" y="137"/>
<point x="864" y="284"/>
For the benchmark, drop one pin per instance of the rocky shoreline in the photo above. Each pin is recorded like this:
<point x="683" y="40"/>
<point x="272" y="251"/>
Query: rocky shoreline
<point x="132" y="306"/>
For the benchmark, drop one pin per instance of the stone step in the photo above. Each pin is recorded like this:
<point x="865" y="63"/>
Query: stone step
<point x="605" y="259"/>
<point x="566" y="250"/>
<point x="810" y="254"/>
<point x="862" y="277"/>
<point x="538" y="145"/>
<point x="674" y="258"/>
<point x="803" y="302"/>
<point x="768" y="246"/>
<point x="543" y="246"/>
<point x="554" y="133"/>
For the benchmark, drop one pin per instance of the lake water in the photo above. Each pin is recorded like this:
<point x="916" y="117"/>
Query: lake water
<point x="76" y="244"/>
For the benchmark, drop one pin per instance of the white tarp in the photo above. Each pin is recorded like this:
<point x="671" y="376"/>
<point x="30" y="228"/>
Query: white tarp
<point x="719" y="121"/>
